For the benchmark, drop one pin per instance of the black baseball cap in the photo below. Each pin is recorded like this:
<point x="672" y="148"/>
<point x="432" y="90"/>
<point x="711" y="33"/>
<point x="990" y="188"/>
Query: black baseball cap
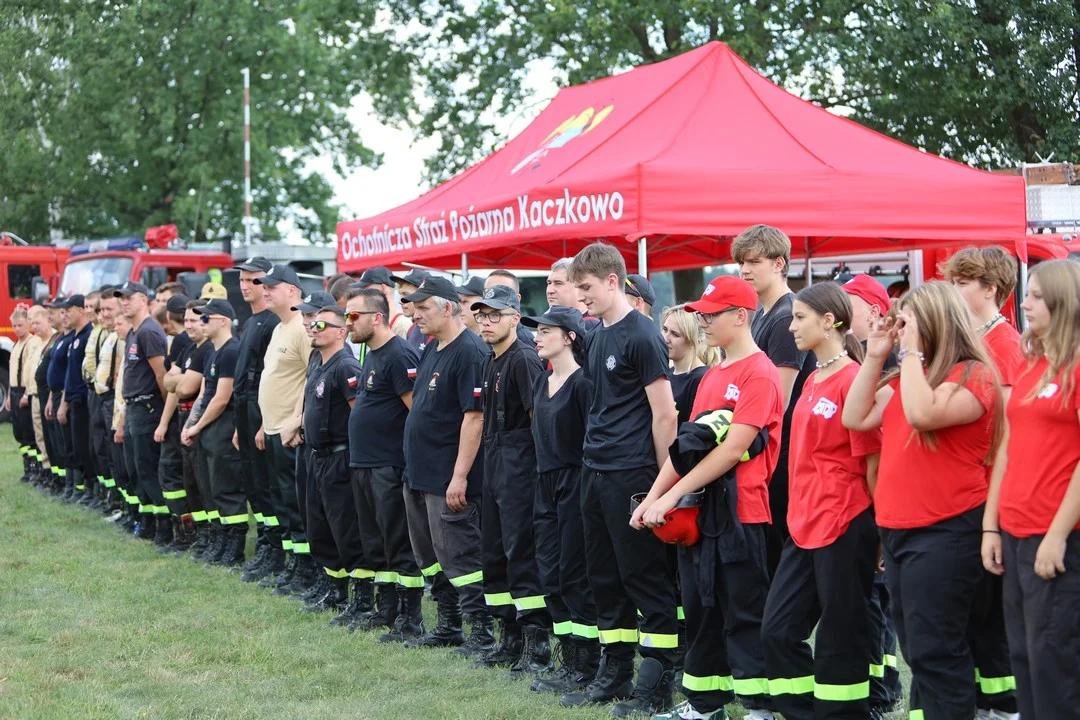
<point x="56" y="303"/>
<point x="255" y="264"/>
<point x="177" y="303"/>
<point x="130" y="288"/>
<point x="374" y="276"/>
<point x="499" y="297"/>
<point x="567" y="318"/>
<point x="413" y="277"/>
<point x="639" y="286"/>
<point x="217" y="307"/>
<point x="279" y="274"/>
<point x="74" y="301"/>
<point x="474" y="286"/>
<point x="434" y="287"/>
<point x="315" y="302"/>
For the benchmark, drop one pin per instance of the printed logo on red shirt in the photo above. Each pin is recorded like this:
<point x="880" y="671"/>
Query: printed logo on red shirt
<point x="732" y="392"/>
<point x="1048" y="392"/>
<point x="825" y="408"/>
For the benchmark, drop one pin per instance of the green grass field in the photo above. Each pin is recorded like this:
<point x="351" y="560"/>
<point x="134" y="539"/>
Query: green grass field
<point x="99" y="625"/>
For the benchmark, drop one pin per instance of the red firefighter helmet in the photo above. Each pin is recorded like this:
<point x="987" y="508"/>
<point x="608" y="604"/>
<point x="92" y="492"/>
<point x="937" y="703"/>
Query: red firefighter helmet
<point x="680" y="522"/>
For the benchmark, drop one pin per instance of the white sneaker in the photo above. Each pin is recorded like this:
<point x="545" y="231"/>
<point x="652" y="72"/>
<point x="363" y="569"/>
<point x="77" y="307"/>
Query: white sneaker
<point x="758" y="715"/>
<point x="996" y="715"/>
<point x="686" y="711"/>
<point x="115" y="516"/>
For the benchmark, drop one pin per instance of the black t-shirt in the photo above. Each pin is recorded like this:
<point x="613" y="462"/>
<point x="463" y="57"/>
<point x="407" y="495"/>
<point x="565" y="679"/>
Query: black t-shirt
<point x="623" y="359"/>
<point x="148" y="341"/>
<point x="194" y="358"/>
<point x="220" y="364"/>
<point x="41" y="372"/>
<point x="447" y="386"/>
<point x="180" y="344"/>
<point x="58" y="362"/>
<point x="254" y="339"/>
<point x="377" y="420"/>
<point x="508" y="388"/>
<point x="558" y="422"/>
<point x="74" y="384"/>
<point x="684" y="388"/>
<point x="330" y="387"/>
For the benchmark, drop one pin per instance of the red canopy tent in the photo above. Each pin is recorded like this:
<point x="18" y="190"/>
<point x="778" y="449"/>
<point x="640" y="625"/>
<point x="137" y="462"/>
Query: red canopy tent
<point x="686" y="153"/>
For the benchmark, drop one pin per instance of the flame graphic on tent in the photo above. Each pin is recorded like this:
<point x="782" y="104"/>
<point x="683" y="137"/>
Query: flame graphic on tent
<point x="574" y="126"/>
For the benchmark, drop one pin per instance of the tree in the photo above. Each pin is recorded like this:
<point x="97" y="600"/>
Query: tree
<point x="121" y="115"/>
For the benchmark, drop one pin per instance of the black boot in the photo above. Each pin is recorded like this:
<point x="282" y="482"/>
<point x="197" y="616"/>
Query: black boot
<point x="409" y="623"/>
<point x="535" y="655"/>
<point x="304" y="576"/>
<point x="314" y="591"/>
<point x="96" y="495"/>
<point x="284" y="576"/>
<point x="334" y="599"/>
<point x="67" y="482"/>
<point x="447" y="630"/>
<point x="563" y="660"/>
<point x="273" y="562"/>
<point x="262" y="547"/>
<point x="213" y="548"/>
<point x="614" y="681"/>
<point x="25" y="466"/>
<point x="353" y="609"/>
<point x="168" y="548"/>
<point x="200" y="541"/>
<point x="652" y="694"/>
<point x="505" y="653"/>
<point x="384" y="612"/>
<point x="183" y="534"/>
<point x="232" y="552"/>
<point x="147" y="526"/>
<point x="163" y="530"/>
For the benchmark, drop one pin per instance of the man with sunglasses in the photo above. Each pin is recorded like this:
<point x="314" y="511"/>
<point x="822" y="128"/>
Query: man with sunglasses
<point x="212" y="423"/>
<point x="380" y="279"/>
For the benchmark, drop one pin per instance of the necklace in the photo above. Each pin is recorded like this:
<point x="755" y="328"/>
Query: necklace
<point x="986" y="328"/>
<point x="827" y="363"/>
<point x="822" y="366"/>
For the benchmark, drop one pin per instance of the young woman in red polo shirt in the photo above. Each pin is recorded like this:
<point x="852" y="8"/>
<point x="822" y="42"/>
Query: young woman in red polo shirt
<point x="940" y="417"/>
<point x="1030" y="529"/>
<point x="827" y="567"/>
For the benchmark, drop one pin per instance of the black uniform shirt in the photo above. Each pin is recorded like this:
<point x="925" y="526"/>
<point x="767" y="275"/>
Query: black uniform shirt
<point x="447" y="386"/>
<point x="74" y="384"/>
<point x="377" y="420"/>
<point x="684" y="388"/>
<point x="180" y="343"/>
<point x="41" y="373"/>
<point x="220" y="364"/>
<point x="194" y="359"/>
<point x="418" y="340"/>
<point x="148" y="341"/>
<point x="254" y="339"/>
<point x="330" y="387"/>
<point x="508" y="388"/>
<point x="558" y="422"/>
<point x="58" y="361"/>
<point x="623" y="359"/>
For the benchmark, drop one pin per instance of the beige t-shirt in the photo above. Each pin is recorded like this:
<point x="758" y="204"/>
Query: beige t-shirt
<point x="400" y="325"/>
<point x="284" y="371"/>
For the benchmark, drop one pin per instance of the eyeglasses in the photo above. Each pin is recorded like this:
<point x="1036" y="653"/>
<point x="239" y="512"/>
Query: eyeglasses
<point x="708" y="318"/>
<point x="355" y="314"/>
<point x="492" y="317"/>
<point x="320" y="325"/>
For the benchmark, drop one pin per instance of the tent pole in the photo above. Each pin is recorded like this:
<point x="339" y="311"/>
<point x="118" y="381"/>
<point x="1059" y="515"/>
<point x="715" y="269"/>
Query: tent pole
<point x="809" y="268"/>
<point x="642" y="260"/>
<point x="1019" y="294"/>
<point x="464" y="267"/>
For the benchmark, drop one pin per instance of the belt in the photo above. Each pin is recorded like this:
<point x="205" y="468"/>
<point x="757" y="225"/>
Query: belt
<point x="141" y="398"/>
<point x="330" y="450"/>
<point x="18" y="388"/>
<point x="186" y="405"/>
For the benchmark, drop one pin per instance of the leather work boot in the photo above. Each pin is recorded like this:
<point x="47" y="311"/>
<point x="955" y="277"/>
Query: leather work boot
<point x="352" y="609"/>
<point x="232" y="551"/>
<point x="304" y="576"/>
<point x="385" y="611"/>
<point x="202" y="539"/>
<point x="563" y="659"/>
<point x="535" y="655"/>
<point x="652" y="693"/>
<point x="614" y="681"/>
<point x="284" y="577"/>
<point x="447" y="630"/>
<point x="258" y="559"/>
<point x="409" y="623"/>
<point x="163" y="531"/>
<point x="183" y="534"/>
<point x="506" y="652"/>
<point x="273" y="562"/>
<point x="335" y="597"/>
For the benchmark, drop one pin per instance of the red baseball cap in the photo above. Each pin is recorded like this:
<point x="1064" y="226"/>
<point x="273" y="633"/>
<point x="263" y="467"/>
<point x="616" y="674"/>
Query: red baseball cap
<point x="870" y="290"/>
<point x="724" y="292"/>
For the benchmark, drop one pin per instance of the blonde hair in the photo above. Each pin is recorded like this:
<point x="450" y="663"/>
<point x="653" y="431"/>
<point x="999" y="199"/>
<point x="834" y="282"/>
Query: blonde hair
<point x="985" y="265"/>
<point x="949" y="340"/>
<point x="764" y="241"/>
<point x="1059" y="283"/>
<point x="690" y="329"/>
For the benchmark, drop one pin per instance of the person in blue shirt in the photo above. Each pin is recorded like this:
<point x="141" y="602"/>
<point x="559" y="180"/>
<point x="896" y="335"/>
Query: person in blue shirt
<point x="74" y="410"/>
<point x="56" y="376"/>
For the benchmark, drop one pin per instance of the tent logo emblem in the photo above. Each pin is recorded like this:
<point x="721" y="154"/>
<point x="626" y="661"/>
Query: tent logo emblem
<point x="573" y="127"/>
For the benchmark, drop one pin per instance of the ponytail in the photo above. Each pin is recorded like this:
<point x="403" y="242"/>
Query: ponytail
<point x="853" y="346"/>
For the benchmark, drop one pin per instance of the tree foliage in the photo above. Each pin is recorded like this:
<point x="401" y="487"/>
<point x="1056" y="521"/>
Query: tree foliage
<point x="115" y="116"/>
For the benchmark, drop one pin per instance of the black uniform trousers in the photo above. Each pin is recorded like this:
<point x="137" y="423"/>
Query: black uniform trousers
<point x="61" y="439"/>
<point x="189" y="454"/>
<point x="455" y="543"/>
<point x="885" y="687"/>
<point x="171" y="469"/>
<point x="281" y="464"/>
<point x="827" y="587"/>
<point x="99" y="440"/>
<point x="50" y="435"/>
<point x="142" y="453"/>
<point x="22" y="420"/>
<point x="421" y="544"/>
<point x="933" y="573"/>
<point x="1043" y="621"/>
<point x="512" y="588"/>
<point x="629" y="570"/>
<point x="724" y="656"/>
<point x="79" y="431"/>
<point x="777" y="534"/>
<point x="253" y="465"/>
<point x="560" y="553"/>
<point x="379" y="514"/>
<point x="223" y="470"/>
<point x="117" y="462"/>
<point x="995" y="684"/>
<point x="332" y="529"/>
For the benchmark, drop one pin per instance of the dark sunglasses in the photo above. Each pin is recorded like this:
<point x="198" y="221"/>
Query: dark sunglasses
<point x="206" y="318"/>
<point x="320" y="325"/>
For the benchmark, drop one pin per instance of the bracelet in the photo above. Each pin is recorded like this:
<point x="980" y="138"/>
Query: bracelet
<point x="995" y="532"/>
<point x="904" y="353"/>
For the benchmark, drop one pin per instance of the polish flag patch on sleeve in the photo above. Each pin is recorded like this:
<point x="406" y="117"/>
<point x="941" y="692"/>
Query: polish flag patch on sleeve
<point x="476" y="392"/>
<point x="412" y="373"/>
<point x="352" y="381"/>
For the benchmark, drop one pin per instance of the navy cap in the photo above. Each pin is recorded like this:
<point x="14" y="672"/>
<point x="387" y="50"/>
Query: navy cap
<point x="315" y="302"/>
<point x="567" y="318"/>
<point x="434" y="287"/>
<point x="279" y="274"/>
<point x="374" y="276"/>
<point x="74" y="301"/>
<point x="217" y="307"/>
<point x="255" y="264"/>
<point x="56" y="303"/>
<point x="474" y="286"/>
<point x="130" y="288"/>
<point x="413" y="277"/>
<point x="499" y="297"/>
<point x="177" y="303"/>
<point x="638" y="286"/>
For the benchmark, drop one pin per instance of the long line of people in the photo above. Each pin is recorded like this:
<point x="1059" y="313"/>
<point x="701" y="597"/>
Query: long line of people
<point x="706" y="494"/>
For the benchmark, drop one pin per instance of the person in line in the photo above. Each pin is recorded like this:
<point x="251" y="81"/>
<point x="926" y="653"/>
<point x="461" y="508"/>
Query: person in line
<point x="560" y="407"/>
<point x="212" y="424"/>
<point x="20" y="382"/>
<point x="632" y="421"/>
<point x="109" y="359"/>
<point x="160" y="301"/>
<point x="380" y="279"/>
<point x="764" y="257"/>
<point x="560" y="291"/>
<point x="640" y="294"/>
<point x="724" y="608"/>
<point x="281" y="390"/>
<point x="407" y="285"/>
<point x="471" y="291"/>
<point x="1031" y="527"/>
<point x="826" y="572"/>
<point x="445" y="469"/>
<point x="167" y="434"/>
<point x="690" y="356"/>
<point x="383" y="400"/>
<point x="74" y="410"/>
<point x="96" y="483"/>
<point x="940" y="418"/>
<point x="39" y="365"/>
<point x="129" y="518"/>
<point x="512" y="587"/>
<point x="57" y="374"/>
<point x="510" y="280"/>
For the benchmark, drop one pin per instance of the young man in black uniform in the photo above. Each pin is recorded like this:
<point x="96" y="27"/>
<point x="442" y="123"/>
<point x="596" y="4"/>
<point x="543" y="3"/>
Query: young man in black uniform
<point x="509" y="279"/>
<point x="764" y="256"/>
<point x="512" y="586"/>
<point x="383" y="400"/>
<point x="254" y="338"/>
<point x="74" y="410"/>
<point x="212" y="423"/>
<point x="43" y="329"/>
<point x="328" y="400"/>
<point x="631" y="423"/>
<point x="167" y="434"/>
<point x="442" y="443"/>
<point x="57" y="374"/>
